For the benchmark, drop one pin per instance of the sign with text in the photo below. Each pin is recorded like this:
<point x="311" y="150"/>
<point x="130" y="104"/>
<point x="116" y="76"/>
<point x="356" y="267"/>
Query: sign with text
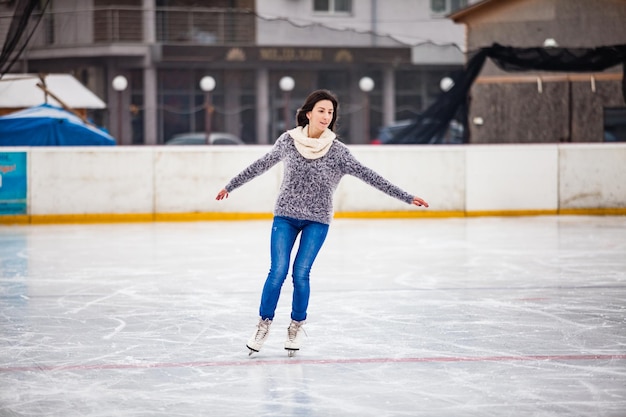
<point x="285" y="54"/>
<point x="13" y="183"/>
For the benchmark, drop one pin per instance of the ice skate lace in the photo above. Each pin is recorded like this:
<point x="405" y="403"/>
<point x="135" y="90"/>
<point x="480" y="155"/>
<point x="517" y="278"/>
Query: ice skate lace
<point x="262" y="330"/>
<point x="292" y="330"/>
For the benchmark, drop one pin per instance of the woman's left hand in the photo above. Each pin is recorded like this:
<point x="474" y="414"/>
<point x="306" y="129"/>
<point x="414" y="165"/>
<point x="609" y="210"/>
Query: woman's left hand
<point x="419" y="202"/>
<point x="222" y="194"/>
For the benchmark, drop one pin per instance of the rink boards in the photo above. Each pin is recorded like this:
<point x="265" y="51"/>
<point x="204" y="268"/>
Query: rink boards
<point x="74" y="184"/>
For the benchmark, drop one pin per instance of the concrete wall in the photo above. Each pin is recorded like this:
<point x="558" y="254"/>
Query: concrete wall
<point x="179" y="183"/>
<point x="527" y="23"/>
<point x="75" y="28"/>
<point x="563" y="109"/>
<point x="570" y="108"/>
<point x="395" y="22"/>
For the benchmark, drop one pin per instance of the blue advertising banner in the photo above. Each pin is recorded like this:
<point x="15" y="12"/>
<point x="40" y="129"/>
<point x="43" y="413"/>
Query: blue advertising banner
<point x="13" y="183"/>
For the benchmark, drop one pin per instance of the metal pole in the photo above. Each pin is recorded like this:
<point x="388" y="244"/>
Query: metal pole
<point x="119" y="117"/>
<point x="286" y="97"/>
<point x="208" y="106"/>
<point x="367" y="117"/>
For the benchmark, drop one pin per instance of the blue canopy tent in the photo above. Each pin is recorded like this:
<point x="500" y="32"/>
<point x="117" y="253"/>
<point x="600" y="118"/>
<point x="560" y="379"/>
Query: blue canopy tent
<point x="46" y="125"/>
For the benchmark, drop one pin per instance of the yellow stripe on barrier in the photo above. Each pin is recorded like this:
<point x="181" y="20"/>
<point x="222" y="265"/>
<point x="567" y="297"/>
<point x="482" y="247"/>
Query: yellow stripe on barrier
<point x="184" y="217"/>
<point x="512" y="213"/>
<point x="15" y="219"/>
<point x="416" y="214"/>
<point x="214" y="216"/>
<point x="613" y="211"/>
<point x="90" y="218"/>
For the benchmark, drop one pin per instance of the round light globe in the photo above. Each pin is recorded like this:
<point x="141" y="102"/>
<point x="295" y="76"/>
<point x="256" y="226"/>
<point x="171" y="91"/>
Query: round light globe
<point x="207" y="83"/>
<point x="446" y="83"/>
<point x="286" y="84"/>
<point x="366" y="84"/>
<point x="119" y="83"/>
<point x="550" y="43"/>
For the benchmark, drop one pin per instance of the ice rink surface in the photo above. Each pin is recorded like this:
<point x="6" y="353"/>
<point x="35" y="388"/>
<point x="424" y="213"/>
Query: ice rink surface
<point x="516" y="316"/>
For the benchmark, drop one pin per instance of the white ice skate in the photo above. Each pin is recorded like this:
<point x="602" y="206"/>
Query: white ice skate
<point x="294" y="337"/>
<point x="259" y="336"/>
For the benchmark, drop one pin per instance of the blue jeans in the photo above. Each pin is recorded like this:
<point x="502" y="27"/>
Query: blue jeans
<point x="285" y="230"/>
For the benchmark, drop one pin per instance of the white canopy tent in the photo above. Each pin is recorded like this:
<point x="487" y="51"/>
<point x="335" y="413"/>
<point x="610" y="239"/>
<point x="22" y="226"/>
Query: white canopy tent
<point x="21" y="91"/>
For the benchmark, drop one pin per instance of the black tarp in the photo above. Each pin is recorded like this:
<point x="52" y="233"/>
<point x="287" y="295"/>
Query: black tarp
<point x="433" y="123"/>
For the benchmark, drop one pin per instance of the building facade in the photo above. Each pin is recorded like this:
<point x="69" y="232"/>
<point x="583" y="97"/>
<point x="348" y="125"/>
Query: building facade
<point x="164" y="48"/>
<point x="539" y="106"/>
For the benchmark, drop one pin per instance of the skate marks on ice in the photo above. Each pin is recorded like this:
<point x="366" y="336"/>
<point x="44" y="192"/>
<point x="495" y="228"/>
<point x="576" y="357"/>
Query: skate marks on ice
<point x="477" y="355"/>
<point x="464" y="317"/>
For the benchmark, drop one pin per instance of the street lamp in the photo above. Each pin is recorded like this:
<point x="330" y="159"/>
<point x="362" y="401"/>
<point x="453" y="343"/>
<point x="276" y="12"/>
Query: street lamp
<point x="119" y="84"/>
<point x="446" y="84"/>
<point x="366" y="84"/>
<point x="550" y="43"/>
<point x="207" y="84"/>
<point x="286" y="84"/>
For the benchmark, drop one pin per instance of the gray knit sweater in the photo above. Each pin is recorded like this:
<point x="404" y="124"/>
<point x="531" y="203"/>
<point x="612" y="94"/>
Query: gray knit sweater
<point x="308" y="185"/>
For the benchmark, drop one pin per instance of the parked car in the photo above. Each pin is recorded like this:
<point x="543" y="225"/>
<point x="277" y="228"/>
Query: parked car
<point x="387" y="134"/>
<point x="199" y="138"/>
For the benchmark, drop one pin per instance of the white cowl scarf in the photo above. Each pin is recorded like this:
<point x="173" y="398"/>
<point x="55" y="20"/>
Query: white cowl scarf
<point x="311" y="148"/>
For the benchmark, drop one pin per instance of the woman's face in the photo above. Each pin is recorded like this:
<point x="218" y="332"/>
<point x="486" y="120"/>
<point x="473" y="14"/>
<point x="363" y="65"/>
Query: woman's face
<point x="320" y="117"/>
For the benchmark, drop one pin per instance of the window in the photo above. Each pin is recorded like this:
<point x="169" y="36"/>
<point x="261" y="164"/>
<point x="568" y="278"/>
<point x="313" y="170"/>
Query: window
<point x="441" y="7"/>
<point x="332" y="6"/>
<point x="615" y="124"/>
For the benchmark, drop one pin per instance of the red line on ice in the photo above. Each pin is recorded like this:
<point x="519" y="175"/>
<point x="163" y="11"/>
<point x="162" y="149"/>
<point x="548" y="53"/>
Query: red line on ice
<point x="356" y="361"/>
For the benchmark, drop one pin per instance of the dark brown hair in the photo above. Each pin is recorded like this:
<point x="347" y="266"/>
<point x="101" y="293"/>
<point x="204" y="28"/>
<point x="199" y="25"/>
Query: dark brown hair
<point x="309" y="103"/>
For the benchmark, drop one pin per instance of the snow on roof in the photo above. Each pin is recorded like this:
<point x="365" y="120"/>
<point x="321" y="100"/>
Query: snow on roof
<point x="20" y="91"/>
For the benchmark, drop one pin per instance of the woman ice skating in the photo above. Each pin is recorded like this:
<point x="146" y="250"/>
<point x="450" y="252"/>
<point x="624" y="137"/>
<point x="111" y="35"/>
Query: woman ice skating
<point x="314" y="163"/>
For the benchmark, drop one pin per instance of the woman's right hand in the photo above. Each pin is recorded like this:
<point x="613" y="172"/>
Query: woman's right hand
<point x="419" y="202"/>
<point x="222" y="194"/>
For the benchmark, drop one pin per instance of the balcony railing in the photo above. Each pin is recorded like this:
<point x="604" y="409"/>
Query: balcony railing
<point x="112" y="25"/>
<point x="207" y="26"/>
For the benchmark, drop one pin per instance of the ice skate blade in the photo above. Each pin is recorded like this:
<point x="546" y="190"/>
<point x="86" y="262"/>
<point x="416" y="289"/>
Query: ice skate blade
<point x="291" y="352"/>
<point x="251" y="350"/>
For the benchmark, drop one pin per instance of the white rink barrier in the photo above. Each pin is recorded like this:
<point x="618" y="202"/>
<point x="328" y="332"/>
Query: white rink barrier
<point x="73" y="184"/>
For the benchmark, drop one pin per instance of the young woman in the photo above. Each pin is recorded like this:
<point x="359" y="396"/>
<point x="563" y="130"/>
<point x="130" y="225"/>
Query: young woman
<point x="314" y="163"/>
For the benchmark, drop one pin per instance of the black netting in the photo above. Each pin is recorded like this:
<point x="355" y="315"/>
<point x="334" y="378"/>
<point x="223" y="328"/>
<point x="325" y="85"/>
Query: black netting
<point x="20" y="31"/>
<point x="432" y="125"/>
<point x="557" y="59"/>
